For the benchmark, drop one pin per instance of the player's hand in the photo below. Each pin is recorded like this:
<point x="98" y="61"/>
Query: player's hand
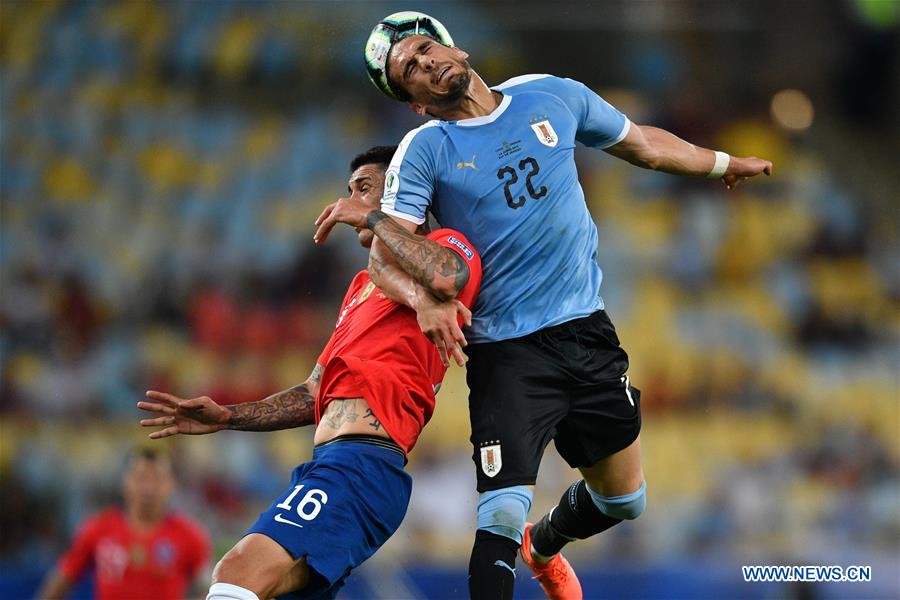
<point x="195" y="416"/>
<point x="439" y="321"/>
<point x="740" y="169"/>
<point x="352" y="211"/>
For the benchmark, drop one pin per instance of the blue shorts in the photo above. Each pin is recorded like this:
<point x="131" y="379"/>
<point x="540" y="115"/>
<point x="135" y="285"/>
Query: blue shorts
<point x="341" y="507"/>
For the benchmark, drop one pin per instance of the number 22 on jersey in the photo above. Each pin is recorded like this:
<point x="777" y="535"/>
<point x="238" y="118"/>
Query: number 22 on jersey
<point x="509" y="175"/>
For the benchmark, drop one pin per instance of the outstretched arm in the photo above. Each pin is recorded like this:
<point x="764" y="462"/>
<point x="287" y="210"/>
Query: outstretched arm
<point x="293" y="407"/>
<point x="657" y="149"/>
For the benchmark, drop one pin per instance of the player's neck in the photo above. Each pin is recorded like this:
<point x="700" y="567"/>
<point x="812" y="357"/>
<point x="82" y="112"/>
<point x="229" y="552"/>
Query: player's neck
<point x="143" y="521"/>
<point x="479" y="101"/>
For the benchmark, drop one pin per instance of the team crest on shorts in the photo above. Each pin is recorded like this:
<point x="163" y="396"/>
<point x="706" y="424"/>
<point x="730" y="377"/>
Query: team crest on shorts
<point x="545" y="133"/>
<point x="491" y="459"/>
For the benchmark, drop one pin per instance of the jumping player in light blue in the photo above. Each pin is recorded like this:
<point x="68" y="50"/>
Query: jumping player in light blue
<point x="498" y="165"/>
<point x="509" y="179"/>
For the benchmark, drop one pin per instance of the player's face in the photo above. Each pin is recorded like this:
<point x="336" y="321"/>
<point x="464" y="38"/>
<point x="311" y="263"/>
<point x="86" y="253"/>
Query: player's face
<point x="147" y="486"/>
<point x="367" y="184"/>
<point x="431" y="73"/>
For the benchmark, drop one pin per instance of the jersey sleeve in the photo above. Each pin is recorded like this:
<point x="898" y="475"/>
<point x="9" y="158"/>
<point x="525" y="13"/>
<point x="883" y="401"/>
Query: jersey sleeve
<point x="409" y="179"/>
<point x="600" y="124"/>
<point x="457" y="242"/>
<point x="80" y="555"/>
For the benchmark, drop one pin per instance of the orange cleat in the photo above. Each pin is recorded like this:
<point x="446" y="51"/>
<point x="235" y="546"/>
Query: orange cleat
<point x="557" y="578"/>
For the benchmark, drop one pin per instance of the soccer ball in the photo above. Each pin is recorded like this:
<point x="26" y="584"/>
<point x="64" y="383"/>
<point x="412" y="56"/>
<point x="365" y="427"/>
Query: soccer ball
<point x="392" y="29"/>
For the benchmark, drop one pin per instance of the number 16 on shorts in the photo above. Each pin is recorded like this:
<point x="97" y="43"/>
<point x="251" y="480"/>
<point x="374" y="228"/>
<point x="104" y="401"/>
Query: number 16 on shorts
<point x="307" y="509"/>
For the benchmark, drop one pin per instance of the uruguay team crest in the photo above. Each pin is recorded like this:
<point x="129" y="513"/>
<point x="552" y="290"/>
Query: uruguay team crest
<point x="491" y="460"/>
<point x="544" y="132"/>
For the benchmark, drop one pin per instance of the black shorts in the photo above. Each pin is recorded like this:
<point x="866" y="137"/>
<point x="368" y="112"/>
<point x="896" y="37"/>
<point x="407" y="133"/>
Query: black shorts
<point x="566" y="383"/>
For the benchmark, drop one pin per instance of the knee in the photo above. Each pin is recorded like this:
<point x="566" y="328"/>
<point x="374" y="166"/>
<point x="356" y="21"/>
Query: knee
<point x="627" y="507"/>
<point x="232" y="568"/>
<point x="251" y="565"/>
<point x="503" y="511"/>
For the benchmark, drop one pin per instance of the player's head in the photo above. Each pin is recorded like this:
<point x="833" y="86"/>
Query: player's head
<point x="410" y="56"/>
<point x="367" y="181"/>
<point x="148" y="482"/>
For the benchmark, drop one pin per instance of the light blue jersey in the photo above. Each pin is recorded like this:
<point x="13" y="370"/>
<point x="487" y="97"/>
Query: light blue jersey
<point x="508" y="181"/>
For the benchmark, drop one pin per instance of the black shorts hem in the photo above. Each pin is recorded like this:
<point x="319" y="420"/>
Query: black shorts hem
<point x="593" y="458"/>
<point x="492" y="485"/>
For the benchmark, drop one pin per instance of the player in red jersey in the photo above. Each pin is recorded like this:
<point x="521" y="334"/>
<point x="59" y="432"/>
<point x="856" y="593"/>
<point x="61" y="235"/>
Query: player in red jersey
<point x="140" y="552"/>
<point x="371" y="393"/>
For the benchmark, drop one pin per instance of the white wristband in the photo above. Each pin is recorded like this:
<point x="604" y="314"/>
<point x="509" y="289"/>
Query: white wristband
<point x="720" y="167"/>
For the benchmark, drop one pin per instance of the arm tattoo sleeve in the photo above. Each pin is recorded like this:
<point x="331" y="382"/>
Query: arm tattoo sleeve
<point x="396" y="283"/>
<point x="293" y="407"/>
<point x="433" y="266"/>
<point x="316" y="375"/>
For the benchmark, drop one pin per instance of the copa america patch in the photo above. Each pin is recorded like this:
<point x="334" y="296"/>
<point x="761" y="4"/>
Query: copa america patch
<point x="545" y="133"/>
<point x="391" y="181"/>
<point x="465" y="249"/>
<point x="491" y="460"/>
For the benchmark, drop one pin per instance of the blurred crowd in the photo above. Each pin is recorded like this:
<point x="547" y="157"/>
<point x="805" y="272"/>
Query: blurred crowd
<point x="161" y="168"/>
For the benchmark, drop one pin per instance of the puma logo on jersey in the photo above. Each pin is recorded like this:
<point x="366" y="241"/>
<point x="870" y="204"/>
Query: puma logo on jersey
<point x="463" y="165"/>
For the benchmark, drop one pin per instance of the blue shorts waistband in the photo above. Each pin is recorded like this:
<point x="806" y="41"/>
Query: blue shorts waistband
<point x="369" y="444"/>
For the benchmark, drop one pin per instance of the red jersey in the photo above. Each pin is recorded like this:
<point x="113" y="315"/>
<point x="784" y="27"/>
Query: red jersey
<point x="378" y="352"/>
<point x="154" y="565"/>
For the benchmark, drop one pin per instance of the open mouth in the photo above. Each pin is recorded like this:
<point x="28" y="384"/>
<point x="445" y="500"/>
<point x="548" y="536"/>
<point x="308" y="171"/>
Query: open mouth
<point x="442" y="73"/>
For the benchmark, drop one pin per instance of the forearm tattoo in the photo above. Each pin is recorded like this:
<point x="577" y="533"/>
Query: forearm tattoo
<point x="293" y="407"/>
<point x="376" y="266"/>
<point x="316" y="375"/>
<point x="425" y="260"/>
<point x="396" y="283"/>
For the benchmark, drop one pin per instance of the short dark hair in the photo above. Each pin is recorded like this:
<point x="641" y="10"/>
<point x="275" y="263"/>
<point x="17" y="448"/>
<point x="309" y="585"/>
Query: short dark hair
<point x="147" y="452"/>
<point x="376" y="155"/>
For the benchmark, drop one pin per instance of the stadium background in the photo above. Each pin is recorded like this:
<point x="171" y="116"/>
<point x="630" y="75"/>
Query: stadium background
<point x="162" y="165"/>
